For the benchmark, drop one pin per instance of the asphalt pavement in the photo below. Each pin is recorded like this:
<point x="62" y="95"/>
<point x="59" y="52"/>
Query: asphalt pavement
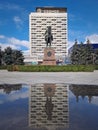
<point x="48" y="77"/>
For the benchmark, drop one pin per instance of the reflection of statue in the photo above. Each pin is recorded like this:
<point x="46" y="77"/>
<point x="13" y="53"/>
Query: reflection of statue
<point x="49" y="108"/>
<point x="48" y="36"/>
<point x="49" y="91"/>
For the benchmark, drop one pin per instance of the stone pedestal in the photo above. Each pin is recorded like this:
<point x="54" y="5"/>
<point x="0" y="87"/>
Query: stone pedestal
<point x="49" y="56"/>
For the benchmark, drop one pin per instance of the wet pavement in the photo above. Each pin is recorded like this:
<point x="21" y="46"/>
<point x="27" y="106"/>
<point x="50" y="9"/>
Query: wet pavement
<point x="48" y="77"/>
<point x="48" y="106"/>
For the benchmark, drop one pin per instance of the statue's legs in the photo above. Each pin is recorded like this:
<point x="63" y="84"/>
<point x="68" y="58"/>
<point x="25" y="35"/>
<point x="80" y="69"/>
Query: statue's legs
<point x="46" y="43"/>
<point x="50" y="44"/>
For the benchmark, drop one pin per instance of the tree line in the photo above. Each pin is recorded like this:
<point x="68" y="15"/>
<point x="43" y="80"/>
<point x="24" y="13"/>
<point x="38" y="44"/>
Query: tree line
<point x="10" y="56"/>
<point x="84" y="54"/>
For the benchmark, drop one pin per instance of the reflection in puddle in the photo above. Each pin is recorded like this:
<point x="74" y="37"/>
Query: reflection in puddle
<point x="49" y="106"/>
<point x="84" y="90"/>
<point x="8" y="88"/>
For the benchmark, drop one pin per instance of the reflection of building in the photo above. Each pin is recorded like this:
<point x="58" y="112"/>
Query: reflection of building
<point x="84" y="90"/>
<point x="48" y="106"/>
<point x="39" y="20"/>
<point x="49" y="90"/>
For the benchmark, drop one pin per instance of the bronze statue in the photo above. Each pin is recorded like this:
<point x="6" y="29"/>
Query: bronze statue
<point x="48" y="36"/>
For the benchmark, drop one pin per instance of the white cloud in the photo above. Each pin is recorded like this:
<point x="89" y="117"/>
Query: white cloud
<point x="94" y="100"/>
<point x="13" y="96"/>
<point x="2" y="36"/>
<point x="8" y="45"/>
<point x="13" y="42"/>
<point x="9" y="6"/>
<point x="93" y="38"/>
<point x="26" y="52"/>
<point x="72" y="17"/>
<point x="17" y="95"/>
<point x="70" y="44"/>
<point x="18" y="21"/>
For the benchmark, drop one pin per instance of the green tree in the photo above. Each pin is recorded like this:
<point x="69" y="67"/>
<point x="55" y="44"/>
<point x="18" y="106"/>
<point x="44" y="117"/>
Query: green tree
<point x="7" y="56"/>
<point x="11" y="56"/>
<point x="18" y="58"/>
<point x="82" y="53"/>
<point x="95" y="57"/>
<point x="89" y="51"/>
<point x="75" y="53"/>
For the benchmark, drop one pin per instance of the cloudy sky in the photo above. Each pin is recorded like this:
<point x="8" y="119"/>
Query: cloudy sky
<point x="14" y="20"/>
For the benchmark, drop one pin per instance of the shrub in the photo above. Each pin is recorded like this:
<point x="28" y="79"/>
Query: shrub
<point x="43" y="68"/>
<point x="3" y="67"/>
<point x="96" y="67"/>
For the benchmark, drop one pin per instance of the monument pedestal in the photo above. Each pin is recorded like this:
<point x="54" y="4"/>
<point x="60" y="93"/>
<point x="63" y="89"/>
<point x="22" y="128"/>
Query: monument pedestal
<point x="49" y="56"/>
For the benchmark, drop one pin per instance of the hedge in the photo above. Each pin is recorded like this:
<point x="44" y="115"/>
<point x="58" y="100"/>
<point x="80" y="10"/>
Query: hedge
<point x="44" y="68"/>
<point x="3" y="67"/>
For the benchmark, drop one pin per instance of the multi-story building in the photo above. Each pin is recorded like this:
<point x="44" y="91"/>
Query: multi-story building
<point x="38" y="23"/>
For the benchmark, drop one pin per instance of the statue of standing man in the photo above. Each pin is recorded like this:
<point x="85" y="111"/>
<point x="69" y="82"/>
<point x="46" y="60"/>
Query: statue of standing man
<point x="48" y="36"/>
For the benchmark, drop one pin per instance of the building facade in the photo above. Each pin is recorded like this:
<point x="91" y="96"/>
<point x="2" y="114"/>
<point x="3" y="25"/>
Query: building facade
<point x="38" y="23"/>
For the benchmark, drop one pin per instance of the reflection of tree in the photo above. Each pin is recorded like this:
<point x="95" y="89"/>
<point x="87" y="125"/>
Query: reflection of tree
<point x="49" y="108"/>
<point x="84" y="90"/>
<point x="7" y="88"/>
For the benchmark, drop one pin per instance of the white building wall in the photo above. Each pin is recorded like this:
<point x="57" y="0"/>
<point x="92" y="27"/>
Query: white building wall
<point x="38" y="24"/>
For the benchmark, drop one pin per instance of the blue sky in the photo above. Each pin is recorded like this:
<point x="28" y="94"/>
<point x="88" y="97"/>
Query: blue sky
<point x="14" y="20"/>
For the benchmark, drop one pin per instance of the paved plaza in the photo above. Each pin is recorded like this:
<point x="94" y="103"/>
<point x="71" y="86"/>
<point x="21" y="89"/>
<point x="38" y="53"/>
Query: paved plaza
<point x="48" y="77"/>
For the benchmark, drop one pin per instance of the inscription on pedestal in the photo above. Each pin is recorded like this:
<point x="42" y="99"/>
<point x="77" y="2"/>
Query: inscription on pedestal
<point x="49" y="56"/>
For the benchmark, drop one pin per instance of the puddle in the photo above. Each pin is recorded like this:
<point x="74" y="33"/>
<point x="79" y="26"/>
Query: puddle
<point x="48" y="107"/>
